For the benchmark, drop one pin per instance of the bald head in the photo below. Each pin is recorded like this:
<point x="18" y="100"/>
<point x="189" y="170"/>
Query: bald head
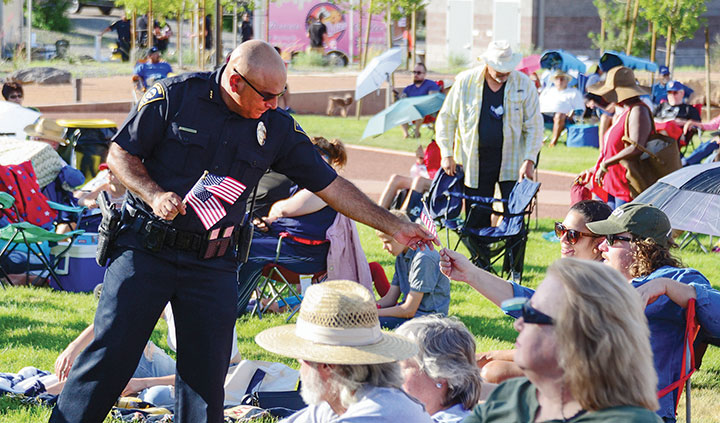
<point x="256" y="56"/>
<point x="262" y="70"/>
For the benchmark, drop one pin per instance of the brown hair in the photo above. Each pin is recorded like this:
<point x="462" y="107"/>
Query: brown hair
<point x="335" y="150"/>
<point x="602" y="332"/>
<point x="648" y="256"/>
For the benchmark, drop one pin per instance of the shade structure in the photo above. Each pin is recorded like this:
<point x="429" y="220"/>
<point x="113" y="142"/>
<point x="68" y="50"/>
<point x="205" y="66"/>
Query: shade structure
<point x="690" y="197"/>
<point x="402" y="111"/>
<point x="14" y="118"/>
<point x="561" y="59"/>
<point x="611" y="59"/>
<point x="377" y="71"/>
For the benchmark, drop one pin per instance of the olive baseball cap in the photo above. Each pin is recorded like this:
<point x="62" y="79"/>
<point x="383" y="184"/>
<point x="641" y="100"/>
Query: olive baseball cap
<point x="641" y="220"/>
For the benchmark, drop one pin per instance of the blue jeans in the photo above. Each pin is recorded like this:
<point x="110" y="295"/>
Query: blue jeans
<point x="614" y="202"/>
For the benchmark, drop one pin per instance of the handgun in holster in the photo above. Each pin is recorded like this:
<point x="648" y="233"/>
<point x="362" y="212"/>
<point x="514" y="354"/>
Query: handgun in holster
<point x="108" y="229"/>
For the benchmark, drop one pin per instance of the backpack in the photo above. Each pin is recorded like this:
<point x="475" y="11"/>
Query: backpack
<point x="438" y="204"/>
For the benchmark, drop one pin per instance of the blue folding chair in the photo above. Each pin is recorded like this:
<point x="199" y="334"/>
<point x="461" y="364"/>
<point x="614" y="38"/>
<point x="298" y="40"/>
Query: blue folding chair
<point x="507" y="241"/>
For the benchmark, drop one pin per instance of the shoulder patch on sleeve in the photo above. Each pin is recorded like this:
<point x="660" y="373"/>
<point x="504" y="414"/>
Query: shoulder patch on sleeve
<point x="297" y="127"/>
<point x="154" y="93"/>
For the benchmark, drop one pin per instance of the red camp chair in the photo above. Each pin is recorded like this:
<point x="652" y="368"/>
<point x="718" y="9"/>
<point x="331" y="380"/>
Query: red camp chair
<point x="688" y="361"/>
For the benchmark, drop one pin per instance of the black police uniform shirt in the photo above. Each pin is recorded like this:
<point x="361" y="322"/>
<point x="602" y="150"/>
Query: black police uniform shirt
<point x="181" y="127"/>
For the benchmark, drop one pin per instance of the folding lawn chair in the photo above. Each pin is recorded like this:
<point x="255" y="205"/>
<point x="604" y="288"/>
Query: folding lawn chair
<point x="279" y="285"/>
<point x="32" y="237"/>
<point x="508" y="240"/>
<point x="688" y="361"/>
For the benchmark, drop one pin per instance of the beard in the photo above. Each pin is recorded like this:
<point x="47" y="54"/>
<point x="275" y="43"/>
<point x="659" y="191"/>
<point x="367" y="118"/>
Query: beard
<point x="312" y="389"/>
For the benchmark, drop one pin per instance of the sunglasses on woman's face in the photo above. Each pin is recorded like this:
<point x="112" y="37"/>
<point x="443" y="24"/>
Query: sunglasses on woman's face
<point x="527" y="312"/>
<point x="612" y="239"/>
<point x="573" y="236"/>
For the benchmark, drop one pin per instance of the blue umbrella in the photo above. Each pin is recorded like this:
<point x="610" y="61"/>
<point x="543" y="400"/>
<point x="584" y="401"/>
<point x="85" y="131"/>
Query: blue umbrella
<point x="561" y="59"/>
<point x="610" y="59"/>
<point x="690" y="197"/>
<point x="402" y="111"/>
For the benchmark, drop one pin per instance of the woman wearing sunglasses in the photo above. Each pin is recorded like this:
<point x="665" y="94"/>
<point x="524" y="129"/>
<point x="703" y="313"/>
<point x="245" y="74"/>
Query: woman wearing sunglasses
<point x="637" y="244"/>
<point x="579" y="335"/>
<point x="575" y="241"/>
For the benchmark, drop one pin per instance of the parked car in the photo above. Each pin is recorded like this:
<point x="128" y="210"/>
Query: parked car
<point x="105" y="6"/>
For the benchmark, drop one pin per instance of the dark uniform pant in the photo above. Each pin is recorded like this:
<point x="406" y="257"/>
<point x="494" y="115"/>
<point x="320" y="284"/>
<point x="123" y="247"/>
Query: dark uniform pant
<point x="136" y="288"/>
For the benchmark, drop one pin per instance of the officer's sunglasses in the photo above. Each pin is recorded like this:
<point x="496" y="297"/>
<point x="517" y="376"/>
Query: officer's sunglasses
<point x="265" y="96"/>
<point x="15" y="96"/>
<point x="573" y="236"/>
<point x="528" y="313"/>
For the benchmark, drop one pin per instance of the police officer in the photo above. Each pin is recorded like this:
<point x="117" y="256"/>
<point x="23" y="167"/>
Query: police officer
<point x="225" y="123"/>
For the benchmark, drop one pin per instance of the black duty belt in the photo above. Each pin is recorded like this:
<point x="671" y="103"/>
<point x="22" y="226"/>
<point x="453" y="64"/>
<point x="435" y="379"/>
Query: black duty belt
<point x="158" y="234"/>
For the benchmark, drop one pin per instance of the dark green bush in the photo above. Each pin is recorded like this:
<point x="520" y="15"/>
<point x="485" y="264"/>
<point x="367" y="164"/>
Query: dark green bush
<point x="50" y="15"/>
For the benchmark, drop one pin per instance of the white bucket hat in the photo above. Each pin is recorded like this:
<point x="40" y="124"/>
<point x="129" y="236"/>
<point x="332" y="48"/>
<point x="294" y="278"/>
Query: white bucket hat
<point x="337" y="324"/>
<point x="499" y="56"/>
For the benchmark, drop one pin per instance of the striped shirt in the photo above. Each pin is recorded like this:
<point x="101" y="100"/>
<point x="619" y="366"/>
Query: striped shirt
<point x="457" y="126"/>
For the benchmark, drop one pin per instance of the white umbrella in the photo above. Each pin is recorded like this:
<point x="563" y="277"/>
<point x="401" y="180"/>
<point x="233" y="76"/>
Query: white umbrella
<point x="377" y="71"/>
<point x="14" y="118"/>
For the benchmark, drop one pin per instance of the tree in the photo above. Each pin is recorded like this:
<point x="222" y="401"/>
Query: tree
<point x="675" y="20"/>
<point x="615" y="26"/>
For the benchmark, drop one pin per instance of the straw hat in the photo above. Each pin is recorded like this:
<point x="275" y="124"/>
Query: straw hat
<point x="337" y="324"/>
<point x="499" y="56"/>
<point x="619" y="85"/>
<point x="560" y="74"/>
<point x="48" y="129"/>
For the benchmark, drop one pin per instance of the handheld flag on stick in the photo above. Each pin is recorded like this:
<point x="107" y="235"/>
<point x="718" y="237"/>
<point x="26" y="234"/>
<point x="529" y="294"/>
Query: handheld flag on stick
<point x="427" y="221"/>
<point x="203" y="197"/>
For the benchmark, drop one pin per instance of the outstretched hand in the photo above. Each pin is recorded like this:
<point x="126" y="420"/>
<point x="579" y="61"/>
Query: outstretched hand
<point x="415" y="236"/>
<point x="455" y="265"/>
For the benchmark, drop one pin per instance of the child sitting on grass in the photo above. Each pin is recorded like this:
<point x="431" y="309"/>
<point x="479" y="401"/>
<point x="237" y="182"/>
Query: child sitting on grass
<point x="424" y="288"/>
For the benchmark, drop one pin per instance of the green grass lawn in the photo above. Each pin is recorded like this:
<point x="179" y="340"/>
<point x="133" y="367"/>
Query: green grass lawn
<point x="350" y="129"/>
<point x="36" y="324"/>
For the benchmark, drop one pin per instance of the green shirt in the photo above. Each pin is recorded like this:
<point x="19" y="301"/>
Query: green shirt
<point x="516" y="401"/>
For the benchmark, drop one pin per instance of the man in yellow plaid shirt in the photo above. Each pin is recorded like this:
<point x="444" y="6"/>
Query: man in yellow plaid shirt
<point x="491" y="124"/>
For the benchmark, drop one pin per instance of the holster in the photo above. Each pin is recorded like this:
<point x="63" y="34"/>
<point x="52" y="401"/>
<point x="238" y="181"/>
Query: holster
<point x="108" y="229"/>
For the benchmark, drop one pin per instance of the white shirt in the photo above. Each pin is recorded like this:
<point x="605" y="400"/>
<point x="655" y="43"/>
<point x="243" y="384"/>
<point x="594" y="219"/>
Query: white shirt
<point x="374" y="405"/>
<point x="454" y="414"/>
<point x="553" y="100"/>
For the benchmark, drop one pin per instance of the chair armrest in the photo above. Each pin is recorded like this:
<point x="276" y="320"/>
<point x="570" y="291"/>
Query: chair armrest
<point x="6" y="200"/>
<point x="65" y="208"/>
<point x="476" y="199"/>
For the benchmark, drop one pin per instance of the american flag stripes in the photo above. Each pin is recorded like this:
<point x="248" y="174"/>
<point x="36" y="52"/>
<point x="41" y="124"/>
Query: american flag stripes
<point x="427" y="221"/>
<point x="224" y="187"/>
<point x="203" y="197"/>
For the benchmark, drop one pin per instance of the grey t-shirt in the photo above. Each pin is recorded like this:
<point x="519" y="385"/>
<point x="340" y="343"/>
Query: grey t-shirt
<point x="419" y="271"/>
<point x="374" y="405"/>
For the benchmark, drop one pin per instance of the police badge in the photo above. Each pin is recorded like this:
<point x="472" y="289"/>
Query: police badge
<point x="261" y="133"/>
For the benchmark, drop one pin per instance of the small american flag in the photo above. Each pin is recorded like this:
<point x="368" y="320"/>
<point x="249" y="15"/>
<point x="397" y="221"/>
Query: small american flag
<point x="427" y="221"/>
<point x="225" y="187"/>
<point x="202" y="197"/>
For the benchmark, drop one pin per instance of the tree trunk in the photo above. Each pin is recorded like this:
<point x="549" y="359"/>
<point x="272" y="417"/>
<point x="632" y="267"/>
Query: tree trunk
<point x="150" y="25"/>
<point x="668" y="46"/>
<point x="653" y="48"/>
<point x="413" y="37"/>
<point x="707" y="73"/>
<point x="133" y="37"/>
<point x="631" y="34"/>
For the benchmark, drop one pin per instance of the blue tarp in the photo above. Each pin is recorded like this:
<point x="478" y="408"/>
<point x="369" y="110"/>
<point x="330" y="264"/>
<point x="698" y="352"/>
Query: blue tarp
<point x="560" y="59"/>
<point x="610" y="59"/>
